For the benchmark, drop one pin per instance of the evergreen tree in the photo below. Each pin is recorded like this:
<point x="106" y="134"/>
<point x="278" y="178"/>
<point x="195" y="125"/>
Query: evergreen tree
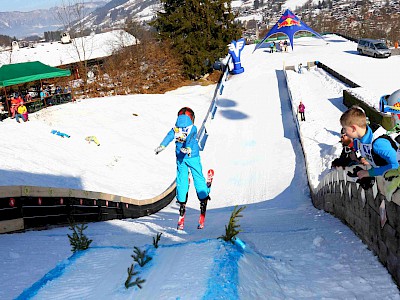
<point x="232" y="230"/>
<point x="199" y="30"/>
<point x="78" y="240"/>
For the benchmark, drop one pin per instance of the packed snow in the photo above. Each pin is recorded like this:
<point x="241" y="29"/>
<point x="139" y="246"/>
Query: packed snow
<point x="292" y="250"/>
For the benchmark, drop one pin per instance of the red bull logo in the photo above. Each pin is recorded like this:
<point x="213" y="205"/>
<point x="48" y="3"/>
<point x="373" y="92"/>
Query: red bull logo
<point x="288" y="22"/>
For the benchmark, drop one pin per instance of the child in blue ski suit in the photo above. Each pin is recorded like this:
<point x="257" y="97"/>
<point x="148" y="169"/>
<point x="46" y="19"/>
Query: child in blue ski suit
<point x="187" y="157"/>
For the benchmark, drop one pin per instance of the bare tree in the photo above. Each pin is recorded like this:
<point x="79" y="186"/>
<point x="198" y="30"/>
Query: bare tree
<point x="72" y="15"/>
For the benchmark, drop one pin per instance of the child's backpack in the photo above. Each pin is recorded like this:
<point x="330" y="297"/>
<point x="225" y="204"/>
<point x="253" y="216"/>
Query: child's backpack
<point x="367" y="151"/>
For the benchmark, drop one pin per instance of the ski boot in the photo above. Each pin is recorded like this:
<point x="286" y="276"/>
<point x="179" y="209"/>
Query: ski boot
<point x="203" y="209"/>
<point x="181" y="220"/>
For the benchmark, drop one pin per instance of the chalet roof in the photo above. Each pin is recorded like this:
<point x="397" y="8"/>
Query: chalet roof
<point x="81" y="49"/>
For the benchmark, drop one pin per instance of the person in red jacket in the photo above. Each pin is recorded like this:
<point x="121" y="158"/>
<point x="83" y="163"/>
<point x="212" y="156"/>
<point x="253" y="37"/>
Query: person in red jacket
<point x="348" y="157"/>
<point x="301" y="111"/>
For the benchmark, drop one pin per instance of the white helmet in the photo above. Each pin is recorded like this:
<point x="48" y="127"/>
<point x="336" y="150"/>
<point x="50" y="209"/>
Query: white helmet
<point x="394" y="100"/>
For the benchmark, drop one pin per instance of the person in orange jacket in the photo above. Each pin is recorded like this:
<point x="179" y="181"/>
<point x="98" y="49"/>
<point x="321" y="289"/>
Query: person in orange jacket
<point x="14" y="106"/>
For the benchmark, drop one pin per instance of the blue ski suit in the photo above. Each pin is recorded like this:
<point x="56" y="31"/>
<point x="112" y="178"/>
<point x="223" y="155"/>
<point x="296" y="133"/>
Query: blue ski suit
<point x="185" y="135"/>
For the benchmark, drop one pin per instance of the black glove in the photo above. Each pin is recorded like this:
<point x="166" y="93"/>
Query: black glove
<point x="355" y="170"/>
<point x="366" y="182"/>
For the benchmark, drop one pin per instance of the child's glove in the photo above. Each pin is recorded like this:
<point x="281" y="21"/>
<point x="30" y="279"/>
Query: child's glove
<point x="187" y="151"/>
<point x="159" y="149"/>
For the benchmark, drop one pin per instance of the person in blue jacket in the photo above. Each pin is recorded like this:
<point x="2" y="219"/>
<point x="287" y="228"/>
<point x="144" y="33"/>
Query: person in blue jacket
<point x="187" y="157"/>
<point x="373" y="143"/>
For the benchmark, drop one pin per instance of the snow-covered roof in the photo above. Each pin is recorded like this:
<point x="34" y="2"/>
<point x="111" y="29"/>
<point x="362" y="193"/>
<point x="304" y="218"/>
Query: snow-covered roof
<point x="56" y="54"/>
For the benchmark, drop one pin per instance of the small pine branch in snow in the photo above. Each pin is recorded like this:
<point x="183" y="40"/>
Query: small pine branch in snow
<point x="233" y="227"/>
<point x="78" y="240"/>
<point x="140" y="257"/>
<point x="156" y="240"/>
<point x="138" y="282"/>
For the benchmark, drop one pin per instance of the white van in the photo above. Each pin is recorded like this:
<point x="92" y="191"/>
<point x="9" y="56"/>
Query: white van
<point x="373" y="48"/>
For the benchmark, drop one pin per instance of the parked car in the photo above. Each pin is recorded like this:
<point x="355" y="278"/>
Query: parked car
<point x="375" y="48"/>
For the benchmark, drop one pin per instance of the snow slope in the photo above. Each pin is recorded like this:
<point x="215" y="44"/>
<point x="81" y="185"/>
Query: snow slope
<point x="293" y="251"/>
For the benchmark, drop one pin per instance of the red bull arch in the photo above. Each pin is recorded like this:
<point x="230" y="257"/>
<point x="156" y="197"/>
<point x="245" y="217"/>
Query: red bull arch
<point x="288" y="24"/>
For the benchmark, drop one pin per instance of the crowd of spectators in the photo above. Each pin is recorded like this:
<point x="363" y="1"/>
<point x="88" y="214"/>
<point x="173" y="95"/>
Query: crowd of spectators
<point x="19" y="100"/>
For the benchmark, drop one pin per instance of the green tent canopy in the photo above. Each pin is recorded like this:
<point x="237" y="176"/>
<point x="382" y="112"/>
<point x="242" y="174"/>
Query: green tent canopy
<point x="26" y="72"/>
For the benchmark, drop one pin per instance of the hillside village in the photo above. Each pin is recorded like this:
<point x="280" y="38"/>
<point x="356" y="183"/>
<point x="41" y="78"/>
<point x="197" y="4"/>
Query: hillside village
<point x="353" y="18"/>
<point x="362" y="18"/>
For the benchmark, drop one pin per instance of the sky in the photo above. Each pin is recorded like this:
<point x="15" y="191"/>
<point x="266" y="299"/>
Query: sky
<point x="291" y="250"/>
<point x="27" y="5"/>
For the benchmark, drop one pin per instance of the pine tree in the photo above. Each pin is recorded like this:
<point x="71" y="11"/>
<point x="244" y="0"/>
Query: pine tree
<point x="232" y="230"/>
<point x="78" y="240"/>
<point x="199" y="30"/>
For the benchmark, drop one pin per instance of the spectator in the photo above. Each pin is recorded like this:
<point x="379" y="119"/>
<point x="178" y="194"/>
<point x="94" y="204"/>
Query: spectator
<point x="285" y="44"/>
<point x="3" y="112"/>
<point x="300" y="68"/>
<point x="22" y="113"/>
<point x="14" y="106"/>
<point x="28" y="97"/>
<point x="372" y="142"/>
<point x="67" y="89"/>
<point x="348" y="157"/>
<point x="301" y="111"/>
<point x="42" y="94"/>
<point x="281" y="45"/>
<point x="271" y="48"/>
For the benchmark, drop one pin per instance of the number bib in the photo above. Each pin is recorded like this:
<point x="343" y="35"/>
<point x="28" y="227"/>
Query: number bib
<point x="366" y="149"/>
<point x="181" y="133"/>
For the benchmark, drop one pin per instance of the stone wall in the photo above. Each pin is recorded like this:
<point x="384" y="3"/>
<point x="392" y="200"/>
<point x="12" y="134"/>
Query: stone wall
<point x="367" y="212"/>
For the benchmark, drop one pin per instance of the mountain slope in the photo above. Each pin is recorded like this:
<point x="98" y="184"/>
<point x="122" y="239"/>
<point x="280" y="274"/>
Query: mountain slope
<point x="36" y="22"/>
